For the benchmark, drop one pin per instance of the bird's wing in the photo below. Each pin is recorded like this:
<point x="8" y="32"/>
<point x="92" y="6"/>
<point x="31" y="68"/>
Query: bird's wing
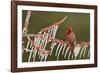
<point x="71" y="37"/>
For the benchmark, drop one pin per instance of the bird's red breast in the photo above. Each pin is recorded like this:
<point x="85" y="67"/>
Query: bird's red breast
<point x="70" y="37"/>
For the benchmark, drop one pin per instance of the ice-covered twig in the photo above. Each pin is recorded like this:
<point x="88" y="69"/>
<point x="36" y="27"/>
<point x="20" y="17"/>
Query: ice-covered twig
<point x="25" y="29"/>
<point x="57" y="23"/>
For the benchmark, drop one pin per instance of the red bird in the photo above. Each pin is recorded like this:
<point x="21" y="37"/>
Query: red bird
<point x="71" y="39"/>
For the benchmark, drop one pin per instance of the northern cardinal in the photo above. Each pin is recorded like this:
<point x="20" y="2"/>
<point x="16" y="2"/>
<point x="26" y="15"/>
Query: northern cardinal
<point x="71" y="39"/>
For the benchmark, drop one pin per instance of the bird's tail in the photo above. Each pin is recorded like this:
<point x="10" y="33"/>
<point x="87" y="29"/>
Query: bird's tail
<point x="72" y="47"/>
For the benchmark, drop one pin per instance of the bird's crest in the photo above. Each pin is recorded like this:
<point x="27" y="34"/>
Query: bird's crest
<point x="69" y="29"/>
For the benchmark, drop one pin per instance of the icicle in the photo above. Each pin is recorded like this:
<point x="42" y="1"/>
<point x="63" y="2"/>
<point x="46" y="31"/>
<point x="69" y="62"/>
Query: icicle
<point x="36" y="42"/>
<point x="43" y="54"/>
<point x="88" y="53"/>
<point x="42" y="57"/>
<point x="38" y="53"/>
<point x="85" y="50"/>
<point x="46" y="40"/>
<point x="52" y="47"/>
<point x="30" y="54"/>
<point x="59" y="52"/>
<point x="54" y="31"/>
<point x="63" y="49"/>
<point x="39" y="44"/>
<point x="50" y="33"/>
<point x="42" y="42"/>
<point x="73" y="57"/>
<point x="57" y="49"/>
<point x="82" y="51"/>
<point x="45" y="58"/>
<point x="77" y="50"/>
<point x="39" y="56"/>
<point x="46" y="55"/>
<point x="31" y="45"/>
<point x="69" y="55"/>
<point x="35" y="52"/>
<point x="66" y="52"/>
<point x="27" y="45"/>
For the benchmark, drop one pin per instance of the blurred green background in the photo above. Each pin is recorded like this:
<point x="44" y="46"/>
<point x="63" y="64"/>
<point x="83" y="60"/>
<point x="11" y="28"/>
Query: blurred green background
<point x="80" y="23"/>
